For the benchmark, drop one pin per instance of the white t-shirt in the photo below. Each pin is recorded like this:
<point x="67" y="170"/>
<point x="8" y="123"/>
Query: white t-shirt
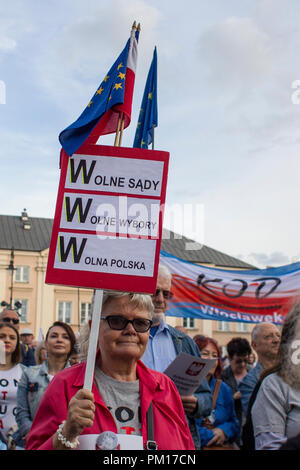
<point x="8" y="398"/>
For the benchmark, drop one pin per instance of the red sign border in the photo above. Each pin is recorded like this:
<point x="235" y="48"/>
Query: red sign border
<point x="92" y="280"/>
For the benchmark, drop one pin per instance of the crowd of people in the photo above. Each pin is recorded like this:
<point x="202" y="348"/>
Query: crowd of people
<point x="249" y="400"/>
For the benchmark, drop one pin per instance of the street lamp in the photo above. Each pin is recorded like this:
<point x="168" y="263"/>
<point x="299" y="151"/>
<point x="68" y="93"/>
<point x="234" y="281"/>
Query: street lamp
<point x="18" y="305"/>
<point x="11" y="270"/>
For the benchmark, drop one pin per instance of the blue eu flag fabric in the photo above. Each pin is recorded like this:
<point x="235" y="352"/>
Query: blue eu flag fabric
<point x="148" y="113"/>
<point x="110" y="93"/>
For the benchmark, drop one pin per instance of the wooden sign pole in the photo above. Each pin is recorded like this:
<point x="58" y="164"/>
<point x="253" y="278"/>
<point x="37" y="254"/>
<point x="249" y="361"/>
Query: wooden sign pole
<point x="90" y="363"/>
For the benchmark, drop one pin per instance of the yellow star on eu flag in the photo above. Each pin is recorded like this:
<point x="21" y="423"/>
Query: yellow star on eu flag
<point x="121" y="75"/>
<point x="150" y="96"/>
<point x="106" y="78"/>
<point x="117" y="86"/>
<point x="99" y="91"/>
<point x="119" y="66"/>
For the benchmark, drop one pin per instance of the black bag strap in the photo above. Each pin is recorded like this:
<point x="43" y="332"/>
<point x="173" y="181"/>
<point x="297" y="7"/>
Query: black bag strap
<point x="151" y="444"/>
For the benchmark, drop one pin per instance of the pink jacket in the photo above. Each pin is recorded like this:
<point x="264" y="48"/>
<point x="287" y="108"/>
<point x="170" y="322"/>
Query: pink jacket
<point x="171" y="430"/>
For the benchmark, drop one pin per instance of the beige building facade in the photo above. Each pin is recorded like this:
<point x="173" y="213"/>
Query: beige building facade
<point x="42" y="303"/>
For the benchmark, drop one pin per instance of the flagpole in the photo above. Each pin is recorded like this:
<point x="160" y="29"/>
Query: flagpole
<point x="152" y="137"/>
<point x="122" y="129"/>
<point x="93" y="340"/>
<point x="118" y="130"/>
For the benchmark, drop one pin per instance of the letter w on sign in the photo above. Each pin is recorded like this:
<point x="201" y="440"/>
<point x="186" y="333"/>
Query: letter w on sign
<point x="86" y="175"/>
<point x="72" y="245"/>
<point x="82" y="215"/>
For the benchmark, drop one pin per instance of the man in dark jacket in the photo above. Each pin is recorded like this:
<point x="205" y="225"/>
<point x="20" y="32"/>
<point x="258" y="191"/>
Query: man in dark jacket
<point x="165" y="343"/>
<point x="27" y="349"/>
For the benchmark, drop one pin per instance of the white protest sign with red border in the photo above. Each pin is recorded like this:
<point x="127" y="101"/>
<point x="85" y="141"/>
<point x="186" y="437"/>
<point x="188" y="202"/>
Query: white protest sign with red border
<point x="108" y="220"/>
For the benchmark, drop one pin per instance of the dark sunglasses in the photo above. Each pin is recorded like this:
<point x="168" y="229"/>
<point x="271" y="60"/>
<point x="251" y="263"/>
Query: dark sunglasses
<point x="15" y="321"/>
<point x="117" y="322"/>
<point x="166" y="293"/>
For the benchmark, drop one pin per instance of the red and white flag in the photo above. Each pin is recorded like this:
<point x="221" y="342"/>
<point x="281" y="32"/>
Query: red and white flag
<point x="109" y="121"/>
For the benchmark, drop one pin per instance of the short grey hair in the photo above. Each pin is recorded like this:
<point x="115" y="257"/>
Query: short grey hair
<point x="256" y="330"/>
<point x="141" y="301"/>
<point x="164" y="272"/>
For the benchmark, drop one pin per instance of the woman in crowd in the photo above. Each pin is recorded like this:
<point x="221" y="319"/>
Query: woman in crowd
<point x="125" y="397"/>
<point x="75" y="356"/>
<point x="10" y="374"/>
<point x="238" y="350"/>
<point x="222" y="426"/>
<point x="276" y="410"/>
<point x="59" y="343"/>
<point x="252" y="361"/>
<point x="40" y="353"/>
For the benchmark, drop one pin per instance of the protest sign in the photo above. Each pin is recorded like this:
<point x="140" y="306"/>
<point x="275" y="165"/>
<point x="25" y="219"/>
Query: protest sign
<point x="187" y="372"/>
<point x="108" y="220"/>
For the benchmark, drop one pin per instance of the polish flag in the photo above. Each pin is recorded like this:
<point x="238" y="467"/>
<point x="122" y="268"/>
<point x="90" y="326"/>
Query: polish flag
<point x="109" y="121"/>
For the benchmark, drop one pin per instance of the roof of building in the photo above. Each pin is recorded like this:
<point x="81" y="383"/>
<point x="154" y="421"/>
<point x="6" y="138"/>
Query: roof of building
<point x="24" y="233"/>
<point x="189" y="250"/>
<point x="15" y="235"/>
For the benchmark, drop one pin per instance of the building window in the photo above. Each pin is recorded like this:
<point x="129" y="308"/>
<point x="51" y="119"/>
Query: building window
<point x="64" y="311"/>
<point x="22" y="274"/>
<point x="223" y="326"/>
<point x="189" y="323"/>
<point x="23" y="310"/>
<point x="85" y="310"/>
<point x="242" y="327"/>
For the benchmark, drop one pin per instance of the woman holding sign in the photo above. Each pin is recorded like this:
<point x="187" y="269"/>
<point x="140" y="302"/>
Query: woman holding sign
<point x="130" y="406"/>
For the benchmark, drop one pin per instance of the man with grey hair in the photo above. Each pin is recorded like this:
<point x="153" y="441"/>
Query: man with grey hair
<point x="265" y="340"/>
<point x="165" y="343"/>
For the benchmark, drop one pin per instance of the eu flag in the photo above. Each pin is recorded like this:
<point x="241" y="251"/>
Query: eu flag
<point x="148" y="113"/>
<point x="113" y="97"/>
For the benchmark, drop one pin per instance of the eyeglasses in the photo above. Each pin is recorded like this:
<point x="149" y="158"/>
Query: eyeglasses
<point x="15" y="321"/>
<point x="166" y="293"/>
<point x="117" y="322"/>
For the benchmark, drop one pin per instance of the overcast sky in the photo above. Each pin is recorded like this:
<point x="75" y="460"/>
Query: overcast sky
<point x="228" y="112"/>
